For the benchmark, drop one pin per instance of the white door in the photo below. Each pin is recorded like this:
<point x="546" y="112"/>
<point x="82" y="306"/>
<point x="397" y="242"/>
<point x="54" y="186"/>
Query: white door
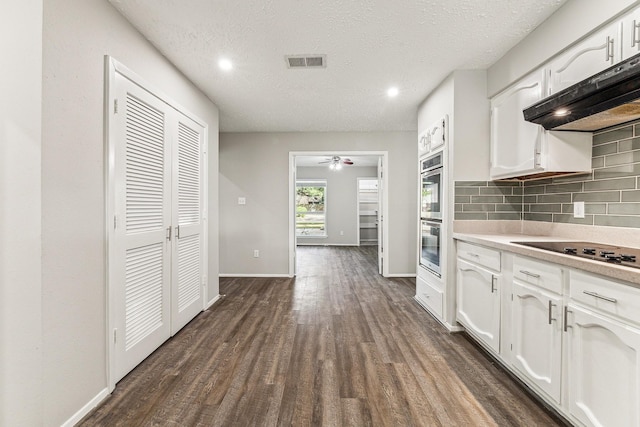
<point x="156" y="224"/>
<point x="187" y="263"/>
<point x="381" y="242"/>
<point x="604" y="370"/>
<point x="479" y="302"/>
<point x="537" y="337"/>
<point x="142" y="252"/>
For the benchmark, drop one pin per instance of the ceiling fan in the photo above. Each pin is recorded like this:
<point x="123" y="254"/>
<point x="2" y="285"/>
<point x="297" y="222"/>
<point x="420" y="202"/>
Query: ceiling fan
<point x="336" y="162"/>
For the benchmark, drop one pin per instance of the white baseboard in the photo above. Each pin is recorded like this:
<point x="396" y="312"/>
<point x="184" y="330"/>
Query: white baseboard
<point x="326" y="244"/>
<point x="400" y="275"/>
<point x="86" y="408"/>
<point x="252" y="275"/>
<point x="213" y="301"/>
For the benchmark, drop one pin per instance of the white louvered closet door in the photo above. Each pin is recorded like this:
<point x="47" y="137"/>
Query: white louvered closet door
<point x="187" y="263"/>
<point x="143" y="217"/>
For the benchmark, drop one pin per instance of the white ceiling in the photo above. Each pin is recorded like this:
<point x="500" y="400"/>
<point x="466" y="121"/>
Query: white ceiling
<point x="370" y="46"/>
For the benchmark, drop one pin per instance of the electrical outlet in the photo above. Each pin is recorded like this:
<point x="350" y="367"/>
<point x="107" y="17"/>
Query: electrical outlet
<point x="256" y="253"/>
<point x="242" y="201"/>
<point x="578" y="209"/>
<point x="341" y="232"/>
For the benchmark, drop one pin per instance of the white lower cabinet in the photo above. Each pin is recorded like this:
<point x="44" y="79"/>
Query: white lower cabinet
<point x="479" y="302"/>
<point x="572" y="336"/>
<point x="536" y="337"/>
<point x="604" y="370"/>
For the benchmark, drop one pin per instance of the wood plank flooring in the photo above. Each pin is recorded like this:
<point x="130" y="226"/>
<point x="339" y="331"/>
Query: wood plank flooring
<point x="338" y="345"/>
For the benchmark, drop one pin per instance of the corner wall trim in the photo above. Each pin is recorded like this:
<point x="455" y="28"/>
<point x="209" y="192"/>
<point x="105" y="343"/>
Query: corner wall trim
<point x="213" y="301"/>
<point x="86" y="408"/>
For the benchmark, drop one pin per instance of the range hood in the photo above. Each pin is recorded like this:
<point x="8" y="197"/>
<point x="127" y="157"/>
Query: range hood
<point x="606" y="99"/>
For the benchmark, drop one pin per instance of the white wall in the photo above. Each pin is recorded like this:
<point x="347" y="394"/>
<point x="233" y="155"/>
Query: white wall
<point x="20" y="191"/>
<point x="256" y="166"/>
<point x="573" y="20"/>
<point x="342" y="202"/>
<point x="76" y="36"/>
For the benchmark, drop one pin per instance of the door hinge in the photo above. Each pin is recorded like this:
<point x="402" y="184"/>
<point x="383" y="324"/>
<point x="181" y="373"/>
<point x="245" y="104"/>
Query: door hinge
<point x="115" y="106"/>
<point x="115" y="335"/>
<point x="115" y="222"/>
<point x="511" y="347"/>
<point x="511" y="297"/>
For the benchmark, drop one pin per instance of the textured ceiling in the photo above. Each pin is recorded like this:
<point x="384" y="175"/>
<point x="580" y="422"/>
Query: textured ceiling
<point x="370" y="46"/>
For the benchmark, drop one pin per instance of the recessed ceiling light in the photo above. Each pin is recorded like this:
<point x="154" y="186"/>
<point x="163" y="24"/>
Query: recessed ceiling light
<point x="225" y="64"/>
<point x="393" y="91"/>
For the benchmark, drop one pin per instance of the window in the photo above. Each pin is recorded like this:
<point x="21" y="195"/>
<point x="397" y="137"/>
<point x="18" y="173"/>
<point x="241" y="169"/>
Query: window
<point x="311" y="208"/>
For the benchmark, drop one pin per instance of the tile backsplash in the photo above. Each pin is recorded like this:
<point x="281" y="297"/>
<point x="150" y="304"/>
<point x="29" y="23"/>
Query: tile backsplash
<point x="611" y="192"/>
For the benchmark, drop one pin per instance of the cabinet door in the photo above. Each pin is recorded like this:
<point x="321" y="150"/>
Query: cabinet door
<point x="592" y="55"/>
<point x="479" y="302"/>
<point x="604" y="370"/>
<point x="631" y="34"/>
<point x="516" y="143"/>
<point x="537" y="337"/>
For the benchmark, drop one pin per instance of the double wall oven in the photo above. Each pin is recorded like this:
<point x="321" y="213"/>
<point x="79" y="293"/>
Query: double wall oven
<point x="431" y="213"/>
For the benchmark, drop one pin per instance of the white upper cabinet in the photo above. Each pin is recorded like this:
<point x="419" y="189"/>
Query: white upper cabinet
<point x="520" y="148"/>
<point x="593" y="54"/>
<point x="630" y="34"/>
<point x="514" y="141"/>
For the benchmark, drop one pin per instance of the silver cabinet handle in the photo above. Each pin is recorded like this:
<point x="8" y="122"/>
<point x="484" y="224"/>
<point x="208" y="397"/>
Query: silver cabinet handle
<point x="473" y="255"/>
<point x="594" y="294"/>
<point x="634" y="34"/>
<point x="177" y="232"/>
<point x="493" y="281"/>
<point x="609" y="50"/>
<point x="168" y="233"/>
<point x="527" y="273"/>
<point x="566" y="317"/>
<point x="551" y="305"/>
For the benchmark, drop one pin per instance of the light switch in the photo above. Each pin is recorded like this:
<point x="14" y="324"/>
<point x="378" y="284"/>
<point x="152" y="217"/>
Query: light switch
<point x="242" y="200"/>
<point x="578" y="209"/>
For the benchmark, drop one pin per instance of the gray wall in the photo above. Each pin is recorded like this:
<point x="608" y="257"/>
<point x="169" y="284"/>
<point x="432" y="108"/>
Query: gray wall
<point x="256" y="166"/>
<point x="76" y="36"/>
<point x="20" y="214"/>
<point x="342" y="202"/>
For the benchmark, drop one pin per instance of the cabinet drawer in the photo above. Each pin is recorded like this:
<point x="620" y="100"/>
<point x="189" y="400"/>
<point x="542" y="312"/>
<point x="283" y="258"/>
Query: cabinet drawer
<point x="606" y="295"/>
<point x="429" y="296"/>
<point x="489" y="258"/>
<point x="538" y="273"/>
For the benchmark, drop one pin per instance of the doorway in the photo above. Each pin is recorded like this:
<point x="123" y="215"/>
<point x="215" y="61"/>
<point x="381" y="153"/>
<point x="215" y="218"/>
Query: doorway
<point x="324" y="201"/>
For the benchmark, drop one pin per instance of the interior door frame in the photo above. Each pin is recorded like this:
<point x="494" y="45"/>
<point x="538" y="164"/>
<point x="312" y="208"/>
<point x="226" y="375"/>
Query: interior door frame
<point x="111" y="67"/>
<point x="383" y="155"/>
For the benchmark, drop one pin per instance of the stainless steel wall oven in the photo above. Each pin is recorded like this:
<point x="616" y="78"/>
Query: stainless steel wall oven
<point x="431" y="213"/>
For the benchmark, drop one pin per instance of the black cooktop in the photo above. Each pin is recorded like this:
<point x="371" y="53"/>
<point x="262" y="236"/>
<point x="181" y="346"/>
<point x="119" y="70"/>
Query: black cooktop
<point x="595" y="251"/>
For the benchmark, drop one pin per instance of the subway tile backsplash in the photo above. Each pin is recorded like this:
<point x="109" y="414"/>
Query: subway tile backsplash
<point x="611" y="192"/>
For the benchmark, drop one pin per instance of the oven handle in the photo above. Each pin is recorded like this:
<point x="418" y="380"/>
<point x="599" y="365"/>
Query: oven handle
<point x="432" y="171"/>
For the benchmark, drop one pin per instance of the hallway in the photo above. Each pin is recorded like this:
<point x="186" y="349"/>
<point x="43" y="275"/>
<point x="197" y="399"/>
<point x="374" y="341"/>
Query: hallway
<point x="337" y="345"/>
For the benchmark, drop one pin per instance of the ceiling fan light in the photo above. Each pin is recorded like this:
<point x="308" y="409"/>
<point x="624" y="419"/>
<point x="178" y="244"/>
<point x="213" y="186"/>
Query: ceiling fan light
<point x="338" y="166"/>
<point x="332" y="166"/>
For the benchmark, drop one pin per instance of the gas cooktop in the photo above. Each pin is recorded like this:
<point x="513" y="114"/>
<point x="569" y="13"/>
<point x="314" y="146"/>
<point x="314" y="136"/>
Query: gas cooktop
<point x="595" y="251"/>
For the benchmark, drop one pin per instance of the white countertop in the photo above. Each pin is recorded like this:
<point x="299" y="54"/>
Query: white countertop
<point x="504" y="242"/>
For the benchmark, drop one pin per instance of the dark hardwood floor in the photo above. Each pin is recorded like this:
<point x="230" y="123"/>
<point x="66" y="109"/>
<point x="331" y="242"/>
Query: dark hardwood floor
<point x="338" y="345"/>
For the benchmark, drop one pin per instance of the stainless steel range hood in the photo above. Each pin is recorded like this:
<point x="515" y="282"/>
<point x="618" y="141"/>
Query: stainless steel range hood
<point x="606" y="99"/>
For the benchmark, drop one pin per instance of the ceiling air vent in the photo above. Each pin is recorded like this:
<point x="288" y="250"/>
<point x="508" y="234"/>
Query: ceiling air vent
<point x="306" y="61"/>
